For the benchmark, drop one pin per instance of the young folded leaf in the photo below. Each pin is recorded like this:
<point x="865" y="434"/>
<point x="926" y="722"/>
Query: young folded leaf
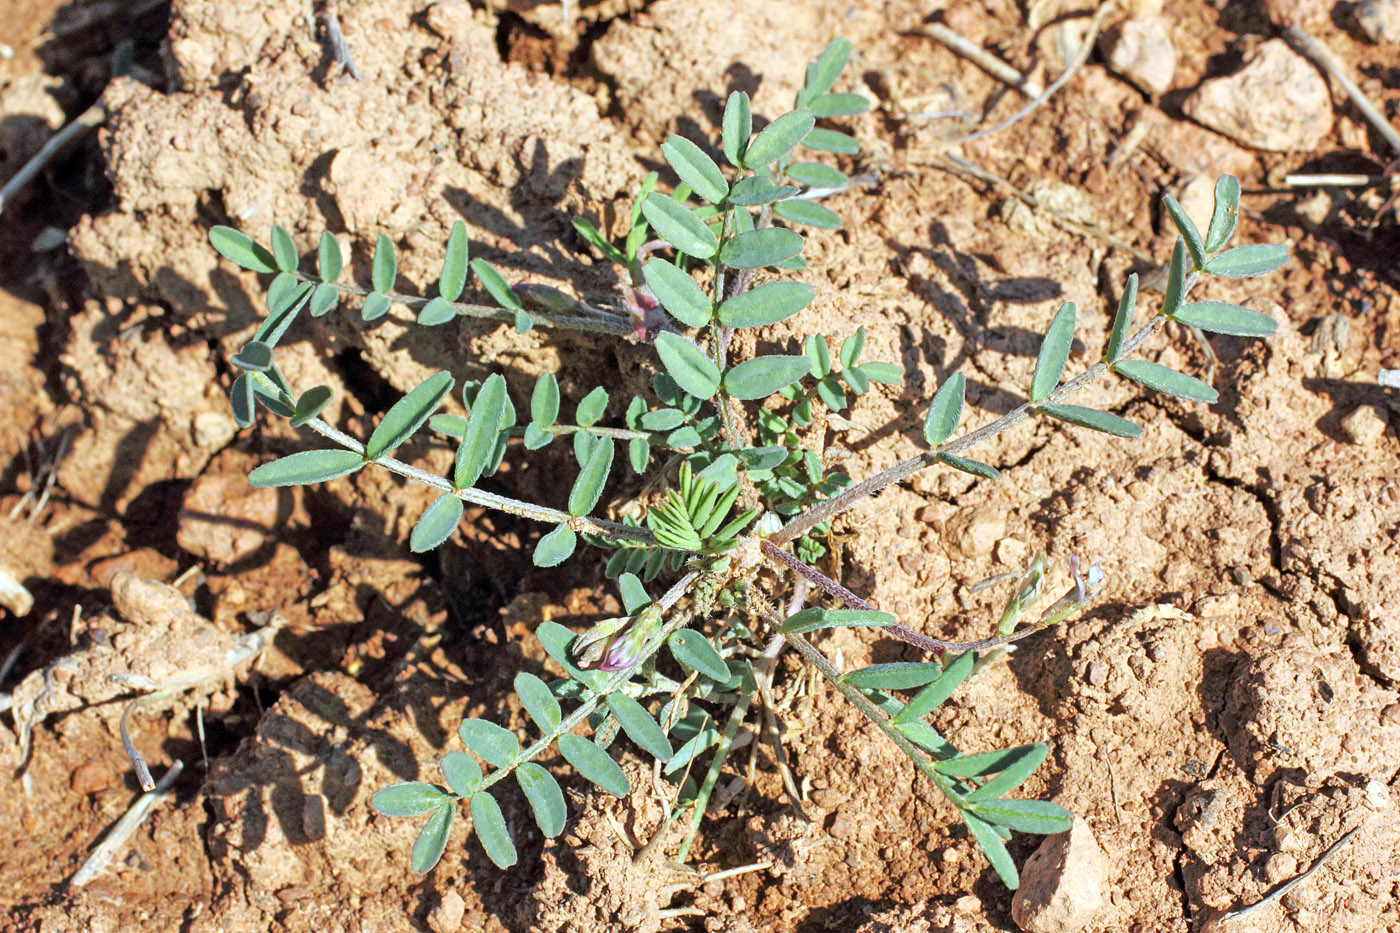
<point x="454" y="264"/>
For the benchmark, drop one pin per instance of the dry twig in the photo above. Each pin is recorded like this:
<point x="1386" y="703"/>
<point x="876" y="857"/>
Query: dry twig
<point x="1324" y="57"/>
<point x="1290" y="884"/>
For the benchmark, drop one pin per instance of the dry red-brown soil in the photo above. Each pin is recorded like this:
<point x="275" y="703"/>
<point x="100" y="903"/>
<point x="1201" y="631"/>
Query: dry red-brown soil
<point x="1225" y="712"/>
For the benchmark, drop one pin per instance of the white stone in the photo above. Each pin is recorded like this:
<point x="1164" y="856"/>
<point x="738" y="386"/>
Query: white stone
<point x="1062" y="884"/>
<point x="1141" y="50"/>
<point x="1278" y="102"/>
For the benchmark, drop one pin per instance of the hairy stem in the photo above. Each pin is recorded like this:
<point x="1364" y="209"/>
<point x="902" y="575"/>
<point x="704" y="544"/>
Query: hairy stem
<point x="612" y="531"/>
<point x="726" y="739"/>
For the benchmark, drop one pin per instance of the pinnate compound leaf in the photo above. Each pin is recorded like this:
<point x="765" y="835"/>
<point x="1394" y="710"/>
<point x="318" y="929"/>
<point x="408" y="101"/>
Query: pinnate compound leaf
<point x="544" y="401"/>
<point x="812" y="619"/>
<point x="384" y="269"/>
<point x="432" y="838"/>
<point x="436" y="524"/>
<point x="538" y="701"/>
<point x="824" y="140"/>
<point x="695" y="652"/>
<point x="1094" y="419"/>
<point x="992" y="845"/>
<point x="595" y="764"/>
<point x="640" y="726"/>
<point x="688" y="365"/>
<point x="1242" y="262"/>
<point x="494" y="744"/>
<point x="329" y="260"/>
<point x="945" y="411"/>
<point x="495" y="285"/>
<point x="808" y="212"/>
<point x="483" y="426"/>
<point x="255" y="355"/>
<point x="1189" y="231"/>
<point x="822" y="73"/>
<point x="1227" y="211"/>
<point x="678" y="293"/>
<point x="678" y="225"/>
<point x="242" y="249"/>
<point x="411" y="798"/>
<point x="1011" y="773"/>
<point x="817" y="175"/>
<point x="593" y="476"/>
<point x="778" y="138"/>
<point x="454" y="264"/>
<point x="1167" y="381"/>
<point x="436" y="311"/>
<point x="408" y="414"/>
<point x="1025" y="816"/>
<point x="937" y="693"/>
<point x="1123" y="320"/>
<point x="761" y="377"/>
<point x="898" y="675"/>
<point x="462" y="773"/>
<point x="491" y="830"/>
<point x="1221" y="317"/>
<point x="758" y="248"/>
<point x="1054" y="353"/>
<point x="556" y="547"/>
<point x="546" y="799"/>
<point x="284" y="250"/>
<point x="695" y="168"/>
<point x="305" y="467"/>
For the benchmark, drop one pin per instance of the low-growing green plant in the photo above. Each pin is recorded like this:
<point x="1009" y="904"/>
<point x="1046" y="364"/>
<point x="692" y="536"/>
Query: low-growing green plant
<point x="739" y="497"/>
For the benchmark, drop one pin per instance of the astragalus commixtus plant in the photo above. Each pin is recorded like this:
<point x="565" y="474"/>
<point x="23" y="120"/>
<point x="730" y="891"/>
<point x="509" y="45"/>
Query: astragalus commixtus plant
<point x="738" y="497"/>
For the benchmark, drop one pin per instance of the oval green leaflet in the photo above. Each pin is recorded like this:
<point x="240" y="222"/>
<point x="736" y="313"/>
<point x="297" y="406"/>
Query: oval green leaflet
<point x="408" y="414"/>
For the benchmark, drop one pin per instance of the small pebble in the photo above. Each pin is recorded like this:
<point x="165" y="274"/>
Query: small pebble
<point x="1364" y="426"/>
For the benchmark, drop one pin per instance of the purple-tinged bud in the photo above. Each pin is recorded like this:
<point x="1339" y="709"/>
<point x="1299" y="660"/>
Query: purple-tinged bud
<point x="1085" y="586"/>
<point x="589" y="647"/>
<point x="547" y="297"/>
<point x="626" y="649"/>
<point x="645" y="311"/>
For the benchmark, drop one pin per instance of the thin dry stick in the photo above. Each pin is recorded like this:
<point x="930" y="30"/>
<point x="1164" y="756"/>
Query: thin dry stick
<point x="102" y="856"/>
<point x="1324" y="57"/>
<point x="985" y="60"/>
<point x="88" y="119"/>
<point x="1289" y="885"/>
<point x="1338" y="181"/>
<point x="1084" y="51"/>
